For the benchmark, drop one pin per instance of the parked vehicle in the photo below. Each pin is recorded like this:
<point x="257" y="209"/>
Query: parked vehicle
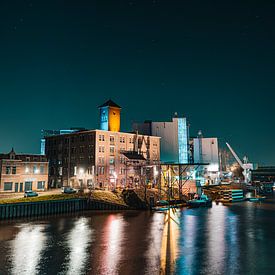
<point x="68" y="190"/>
<point x="30" y="193"/>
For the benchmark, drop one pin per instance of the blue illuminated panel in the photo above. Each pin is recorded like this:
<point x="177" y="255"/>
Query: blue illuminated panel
<point x="182" y="140"/>
<point x="104" y="112"/>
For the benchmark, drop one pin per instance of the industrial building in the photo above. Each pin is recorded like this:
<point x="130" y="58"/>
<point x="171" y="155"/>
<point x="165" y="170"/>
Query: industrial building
<point x="23" y="172"/>
<point x="174" y="138"/>
<point x="105" y="158"/>
<point x="206" y="150"/>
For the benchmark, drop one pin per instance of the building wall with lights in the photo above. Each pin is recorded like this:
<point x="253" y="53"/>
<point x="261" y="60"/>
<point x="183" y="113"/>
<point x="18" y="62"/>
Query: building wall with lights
<point x="174" y="138"/>
<point x="98" y="158"/>
<point x="23" y="172"/>
<point x="206" y="150"/>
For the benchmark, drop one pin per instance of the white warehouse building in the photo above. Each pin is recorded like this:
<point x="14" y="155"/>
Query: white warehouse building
<point x="174" y="140"/>
<point x="206" y="150"/>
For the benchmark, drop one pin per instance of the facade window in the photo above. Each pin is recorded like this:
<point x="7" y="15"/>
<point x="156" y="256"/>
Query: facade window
<point x="90" y="170"/>
<point x="8" y="170"/>
<point x="122" y="160"/>
<point x="28" y="185"/>
<point x="41" y="185"/>
<point x="112" y="149"/>
<point x="27" y="169"/>
<point x="14" y="170"/>
<point x="122" y="139"/>
<point x="111" y="171"/>
<point x="112" y="160"/>
<point x="101" y="170"/>
<point x="101" y="160"/>
<point x="90" y="158"/>
<point x="34" y="169"/>
<point x="7" y="186"/>
<point x="112" y="139"/>
<point x="101" y="138"/>
<point x="42" y="169"/>
<point x="101" y="149"/>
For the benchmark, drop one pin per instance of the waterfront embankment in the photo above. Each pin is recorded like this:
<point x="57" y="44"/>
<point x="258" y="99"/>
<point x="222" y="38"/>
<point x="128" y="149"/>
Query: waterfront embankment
<point x="69" y="203"/>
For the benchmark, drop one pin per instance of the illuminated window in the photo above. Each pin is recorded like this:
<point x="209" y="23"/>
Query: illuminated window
<point x="111" y="171"/>
<point x="34" y="169"/>
<point x="112" y="160"/>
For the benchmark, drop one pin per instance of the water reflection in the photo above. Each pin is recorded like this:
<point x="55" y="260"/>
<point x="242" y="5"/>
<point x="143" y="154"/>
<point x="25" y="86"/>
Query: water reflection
<point x="216" y="223"/>
<point x="78" y="241"/>
<point x="169" y="247"/>
<point x="112" y="244"/>
<point x="187" y="241"/>
<point x="27" y="249"/>
<point x="236" y="239"/>
<point x="155" y="242"/>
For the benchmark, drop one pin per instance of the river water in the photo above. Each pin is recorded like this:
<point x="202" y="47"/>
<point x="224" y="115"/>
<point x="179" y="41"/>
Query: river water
<point x="237" y="239"/>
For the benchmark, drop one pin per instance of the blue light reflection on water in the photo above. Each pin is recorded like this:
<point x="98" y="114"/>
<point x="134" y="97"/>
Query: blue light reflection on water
<point x="237" y="239"/>
<point x="233" y="239"/>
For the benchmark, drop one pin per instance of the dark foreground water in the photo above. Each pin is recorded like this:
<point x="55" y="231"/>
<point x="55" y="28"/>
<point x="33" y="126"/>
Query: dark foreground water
<point x="238" y="239"/>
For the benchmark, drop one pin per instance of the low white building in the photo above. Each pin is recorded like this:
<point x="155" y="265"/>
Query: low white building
<point x="206" y="150"/>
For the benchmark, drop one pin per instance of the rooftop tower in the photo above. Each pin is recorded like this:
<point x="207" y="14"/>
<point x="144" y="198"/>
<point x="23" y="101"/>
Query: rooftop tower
<point x="110" y="116"/>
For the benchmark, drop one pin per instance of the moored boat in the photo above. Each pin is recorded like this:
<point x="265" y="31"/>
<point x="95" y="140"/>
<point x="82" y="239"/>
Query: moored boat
<point x="203" y="201"/>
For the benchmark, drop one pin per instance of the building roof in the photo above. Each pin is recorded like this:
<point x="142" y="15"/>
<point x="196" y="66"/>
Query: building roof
<point x="109" y="103"/>
<point x="86" y="132"/>
<point x="13" y="156"/>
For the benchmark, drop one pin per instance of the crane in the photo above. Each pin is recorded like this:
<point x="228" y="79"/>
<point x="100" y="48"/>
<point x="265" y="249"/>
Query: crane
<point x="247" y="167"/>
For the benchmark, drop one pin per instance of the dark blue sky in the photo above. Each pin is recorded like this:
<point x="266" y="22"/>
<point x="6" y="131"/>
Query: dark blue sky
<point x="213" y="61"/>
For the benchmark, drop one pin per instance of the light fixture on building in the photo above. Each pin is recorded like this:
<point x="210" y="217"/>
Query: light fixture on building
<point x="80" y="171"/>
<point x="156" y="172"/>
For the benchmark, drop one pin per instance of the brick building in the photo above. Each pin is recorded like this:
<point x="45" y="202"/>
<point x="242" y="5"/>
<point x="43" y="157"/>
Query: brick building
<point x="22" y="172"/>
<point x="103" y="158"/>
<point x="100" y="158"/>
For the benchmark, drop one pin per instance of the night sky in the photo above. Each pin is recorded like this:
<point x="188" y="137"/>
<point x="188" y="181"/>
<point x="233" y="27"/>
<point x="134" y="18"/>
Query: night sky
<point x="212" y="61"/>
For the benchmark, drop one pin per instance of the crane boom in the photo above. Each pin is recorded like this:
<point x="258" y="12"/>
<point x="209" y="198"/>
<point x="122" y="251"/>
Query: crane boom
<point x="235" y="155"/>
